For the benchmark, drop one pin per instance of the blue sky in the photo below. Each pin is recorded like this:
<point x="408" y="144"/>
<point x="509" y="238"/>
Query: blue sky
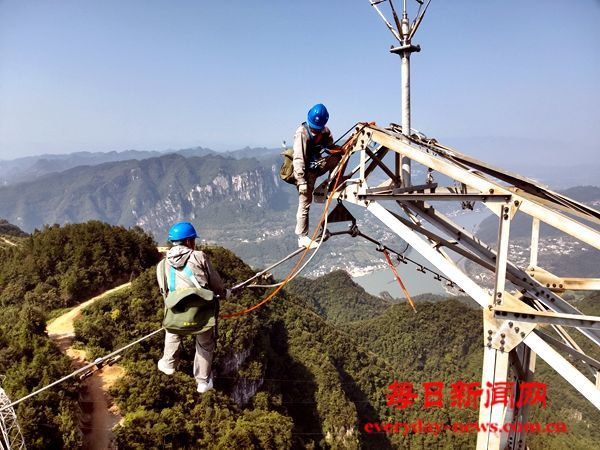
<point x="157" y="74"/>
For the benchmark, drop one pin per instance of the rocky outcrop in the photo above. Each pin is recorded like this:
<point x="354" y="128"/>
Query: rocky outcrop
<point x="150" y="193"/>
<point x="244" y="388"/>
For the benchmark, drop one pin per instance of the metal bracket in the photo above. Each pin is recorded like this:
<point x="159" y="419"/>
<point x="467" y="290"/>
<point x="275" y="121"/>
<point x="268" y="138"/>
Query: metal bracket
<point x="502" y="334"/>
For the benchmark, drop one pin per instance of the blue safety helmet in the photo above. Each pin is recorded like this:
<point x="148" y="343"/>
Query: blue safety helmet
<point x="181" y="231"/>
<point x="317" y="117"/>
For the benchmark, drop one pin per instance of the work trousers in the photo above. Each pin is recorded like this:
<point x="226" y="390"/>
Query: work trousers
<point x="304" y="200"/>
<point x="205" y="347"/>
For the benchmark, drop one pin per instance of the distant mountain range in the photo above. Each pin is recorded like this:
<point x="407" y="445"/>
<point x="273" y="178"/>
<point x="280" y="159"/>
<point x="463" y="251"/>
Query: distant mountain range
<point x="236" y="198"/>
<point x="151" y="192"/>
<point x="234" y="201"/>
<point x="31" y="167"/>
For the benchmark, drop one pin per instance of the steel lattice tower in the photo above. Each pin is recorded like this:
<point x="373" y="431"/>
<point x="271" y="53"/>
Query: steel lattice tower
<point x="11" y="437"/>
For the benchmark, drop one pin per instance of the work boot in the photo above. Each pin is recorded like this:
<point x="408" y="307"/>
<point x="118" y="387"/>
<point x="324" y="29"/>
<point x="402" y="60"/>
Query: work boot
<point x="205" y="386"/>
<point x="305" y="241"/>
<point x="162" y="366"/>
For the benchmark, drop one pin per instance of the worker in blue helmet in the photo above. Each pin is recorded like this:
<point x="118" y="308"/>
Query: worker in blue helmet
<point x="182" y="256"/>
<point x="311" y="141"/>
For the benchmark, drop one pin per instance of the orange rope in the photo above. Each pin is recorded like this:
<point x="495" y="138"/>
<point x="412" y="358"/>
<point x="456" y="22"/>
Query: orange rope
<point x="346" y="149"/>
<point x="389" y="260"/>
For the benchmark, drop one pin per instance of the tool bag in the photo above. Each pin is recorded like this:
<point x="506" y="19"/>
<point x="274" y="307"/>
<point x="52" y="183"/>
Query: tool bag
<point x="286" y="173"/>
<point x="188" y="310"/>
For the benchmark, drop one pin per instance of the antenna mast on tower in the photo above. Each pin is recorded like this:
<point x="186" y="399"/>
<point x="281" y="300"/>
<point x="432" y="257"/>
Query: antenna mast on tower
<point x="403" y="32"/>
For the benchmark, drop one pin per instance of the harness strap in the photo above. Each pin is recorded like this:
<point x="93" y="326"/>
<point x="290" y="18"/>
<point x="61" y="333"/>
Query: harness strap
<point x="187" y="271"/>
<point x="171" y="279"/>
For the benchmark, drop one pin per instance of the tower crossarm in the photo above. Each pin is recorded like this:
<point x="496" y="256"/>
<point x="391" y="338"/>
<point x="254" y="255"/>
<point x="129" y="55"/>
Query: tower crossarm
<point x="517" y="298"/>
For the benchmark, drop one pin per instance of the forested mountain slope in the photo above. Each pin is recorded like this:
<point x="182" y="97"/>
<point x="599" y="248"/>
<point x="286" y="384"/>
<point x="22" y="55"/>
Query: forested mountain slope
<point x="310" y="369"/>
<point x="284" y="375"/>
<point x="318" y="383"/>
<point x="443" y="342"/>
<point x="151" y="193"/>
<point x="56" y="267"/>
<point x="337" y="298"/>
<point x="235" y="200"/>
<point x="60" y="266"/>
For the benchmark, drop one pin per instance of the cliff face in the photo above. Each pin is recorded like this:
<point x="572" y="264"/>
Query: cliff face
<point x="227" y="197"/>
<point x="151" y="193"/>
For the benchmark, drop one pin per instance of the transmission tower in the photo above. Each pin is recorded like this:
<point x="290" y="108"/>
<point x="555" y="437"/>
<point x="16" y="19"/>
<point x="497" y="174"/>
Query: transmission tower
<point x="11" y="437"/>
<point x="523" y="297"/>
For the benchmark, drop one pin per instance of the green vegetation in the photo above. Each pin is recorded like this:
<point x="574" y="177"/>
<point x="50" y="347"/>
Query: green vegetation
<point x="28" y="361"/>
<point x="337" y="298"/>
<point x="442" y="342"/>
<point x="307" y="370"/>
<point x="57" y="266"/>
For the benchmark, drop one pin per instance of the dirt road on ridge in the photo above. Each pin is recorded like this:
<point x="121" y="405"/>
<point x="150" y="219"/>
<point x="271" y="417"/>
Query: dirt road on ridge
<point x="7" y="241"/>
<point x="96" y="403"/>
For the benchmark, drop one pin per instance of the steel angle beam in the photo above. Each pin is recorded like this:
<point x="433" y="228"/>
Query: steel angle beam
<point x="415" y="188"/>
<point x="447" y="267"/>
<point x="506" y="214"/>
<point x="522" y="361"/>
<point x="535" y="242"/>
<point x="438" y="197"/>
<point x="571" y="208"/>
<point x="390" y="188"/>
<point x="381" y="165"/>
<point x="523" y="186"/>
<point x="550" y="317"/>
<point x="494" y="371"/>
<point x="480" y="183"/>
<point x="556" y="283"/>
<point x="571" y="351"/>
<point x="516" y="275"/>
<point x="564" y="368"/>
<point x="441" y="241"/>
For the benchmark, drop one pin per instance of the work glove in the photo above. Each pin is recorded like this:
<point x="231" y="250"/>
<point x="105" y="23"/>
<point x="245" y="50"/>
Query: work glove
<point x="303" y="188"/>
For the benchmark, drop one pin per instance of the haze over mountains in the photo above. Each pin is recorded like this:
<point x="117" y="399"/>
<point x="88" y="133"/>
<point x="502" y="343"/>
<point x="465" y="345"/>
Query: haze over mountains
<point x="31" y="167"/>
<point x="235" y="197"/>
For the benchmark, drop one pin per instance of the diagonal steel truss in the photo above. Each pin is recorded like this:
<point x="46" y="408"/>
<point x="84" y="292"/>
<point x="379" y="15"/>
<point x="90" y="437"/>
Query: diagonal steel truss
<point x="522" y="298"/>
<point x="10" y="433"/>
